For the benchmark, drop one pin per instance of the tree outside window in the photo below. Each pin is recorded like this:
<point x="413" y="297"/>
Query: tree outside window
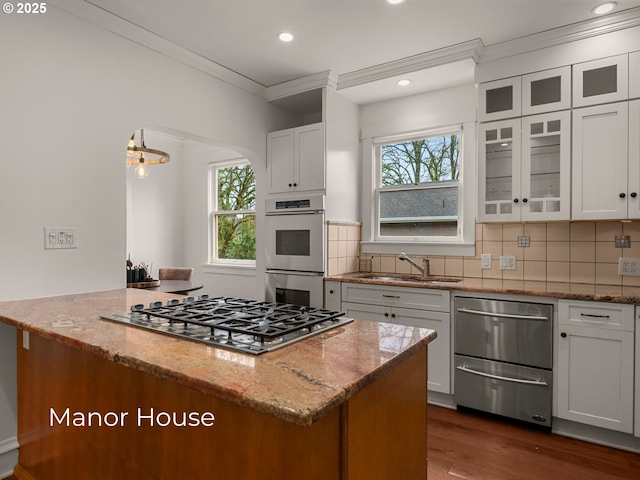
<point x="233" y="211"/>
<point x="419" y="187"/>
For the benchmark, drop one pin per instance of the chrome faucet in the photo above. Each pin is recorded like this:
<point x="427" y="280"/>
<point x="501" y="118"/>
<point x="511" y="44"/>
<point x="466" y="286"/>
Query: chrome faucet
<point x="425" y="264"/>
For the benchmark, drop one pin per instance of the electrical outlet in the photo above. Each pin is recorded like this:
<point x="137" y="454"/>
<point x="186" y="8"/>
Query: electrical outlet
<point x="629" y="266"/>
<point x="57" y="238"/>
<point x="507" y="262"/>
<point x="485" y="261"/>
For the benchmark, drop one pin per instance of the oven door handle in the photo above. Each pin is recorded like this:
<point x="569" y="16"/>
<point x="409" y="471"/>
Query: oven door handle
<point x="498" y="377"/>
<point x="501" y="315"/>
<point x="295" y="272"/>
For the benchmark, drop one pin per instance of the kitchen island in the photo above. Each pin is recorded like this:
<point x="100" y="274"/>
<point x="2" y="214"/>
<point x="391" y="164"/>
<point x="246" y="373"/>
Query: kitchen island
<point x="102" y="400"/>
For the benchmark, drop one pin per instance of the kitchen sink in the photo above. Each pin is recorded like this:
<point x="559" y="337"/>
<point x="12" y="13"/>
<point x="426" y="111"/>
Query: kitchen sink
<point x="400" y="278"/>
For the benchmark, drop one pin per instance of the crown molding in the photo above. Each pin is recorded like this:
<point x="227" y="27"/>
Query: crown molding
<point x="303" y="84"/>
<point x="558" y="36"/>
<point x="119" y="26"/>
<point x="462" y="51"/>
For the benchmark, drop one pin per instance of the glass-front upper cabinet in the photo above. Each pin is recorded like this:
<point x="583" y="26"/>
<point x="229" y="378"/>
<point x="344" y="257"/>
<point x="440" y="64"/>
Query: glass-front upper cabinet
<point x="546" y="91"/>
<point x="546" y="163"/>
<point x="499" y="171"/>
<point x="601" y="81"/>
<point x="500" y="99"/>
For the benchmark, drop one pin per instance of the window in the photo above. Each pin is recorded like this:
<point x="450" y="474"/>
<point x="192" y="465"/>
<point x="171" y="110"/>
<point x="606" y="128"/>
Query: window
<point x="418" y="188"/>
<point x="232" y="189"/>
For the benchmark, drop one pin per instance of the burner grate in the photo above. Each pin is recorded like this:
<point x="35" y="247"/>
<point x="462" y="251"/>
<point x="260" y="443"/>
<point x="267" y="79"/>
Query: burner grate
<point x="246" y="325"/>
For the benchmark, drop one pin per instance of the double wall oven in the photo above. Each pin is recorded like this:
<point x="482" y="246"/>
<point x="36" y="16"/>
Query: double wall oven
<point x="295" y="255"/>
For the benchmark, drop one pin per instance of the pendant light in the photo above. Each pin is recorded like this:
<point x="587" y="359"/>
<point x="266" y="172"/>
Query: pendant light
<point x="136" y="156"/>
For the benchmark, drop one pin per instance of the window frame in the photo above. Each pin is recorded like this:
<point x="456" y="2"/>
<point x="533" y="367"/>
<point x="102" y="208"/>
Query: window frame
<point x="462" y="244"/>
<point x="214" y="213"/>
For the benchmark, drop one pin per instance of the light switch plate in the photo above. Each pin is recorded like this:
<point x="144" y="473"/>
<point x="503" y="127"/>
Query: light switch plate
<point x="629" y="266"/>
<point x="58" y="238"/>
<point x="507" y="262"/>
<point x="485" y="261"/>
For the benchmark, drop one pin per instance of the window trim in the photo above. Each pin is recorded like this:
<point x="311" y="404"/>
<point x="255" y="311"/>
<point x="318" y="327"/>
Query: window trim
<point x="213" y="167"/>
<point x="464" y="243"/>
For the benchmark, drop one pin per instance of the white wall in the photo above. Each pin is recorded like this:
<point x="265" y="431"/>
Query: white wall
<point x="71" y="96"/>
<point x="154" y="208"/>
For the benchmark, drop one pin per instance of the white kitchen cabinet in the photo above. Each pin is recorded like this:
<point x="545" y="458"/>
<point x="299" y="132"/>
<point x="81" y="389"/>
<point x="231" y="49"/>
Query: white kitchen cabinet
<point x="416" y="307"/>
<point x="296" y="159"/>
<point x="525" y="176"/>
<point x="637" y="397"/>
<point x="332" y="295"/>
<point x="601" y="81"/>
<point x="500" y="99"/>
<point x="634" y="75"/>
<point x="600" y="162"/>
<point x="633" y="185"/>
<point x="499" y="171"/>
<point x="595" y="373"/>
<point x="546" y="91"/>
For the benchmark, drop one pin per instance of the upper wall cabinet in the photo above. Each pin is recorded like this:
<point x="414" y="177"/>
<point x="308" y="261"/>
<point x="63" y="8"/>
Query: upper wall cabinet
<point x="600" y="163"/>
<point x="634" y="75"/>
<point x="500" y="99"/>
<point x="296" y="159"/>
<point x="525" y="176"/>
<point x="546" y="91"/>
<point x="601" y="81"/>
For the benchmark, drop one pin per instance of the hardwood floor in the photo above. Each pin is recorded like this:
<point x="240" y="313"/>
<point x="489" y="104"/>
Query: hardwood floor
<point x="468" y="446"/>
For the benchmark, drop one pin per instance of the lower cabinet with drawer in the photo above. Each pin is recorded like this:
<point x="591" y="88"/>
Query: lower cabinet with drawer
<point x="417" y="307"/>
<point x="595" y="374"/>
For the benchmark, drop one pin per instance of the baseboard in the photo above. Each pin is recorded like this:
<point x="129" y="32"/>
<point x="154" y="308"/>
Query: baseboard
<point x="441" y="399"/>
<point x="601" y="436"/>
<point x="8" y="456"/>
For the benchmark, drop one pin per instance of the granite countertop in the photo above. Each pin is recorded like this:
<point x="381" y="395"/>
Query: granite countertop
<point x="298" y="383"/>
<point x="571" y="291"/>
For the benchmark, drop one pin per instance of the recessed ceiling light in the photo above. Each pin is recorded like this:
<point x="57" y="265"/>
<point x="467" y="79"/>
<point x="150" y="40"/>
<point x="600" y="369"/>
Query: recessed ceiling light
<point x="604" y="8"/>
<point x="395" y="2"/>
<point x="404" y="82"/>
<point x="285" y="36"/>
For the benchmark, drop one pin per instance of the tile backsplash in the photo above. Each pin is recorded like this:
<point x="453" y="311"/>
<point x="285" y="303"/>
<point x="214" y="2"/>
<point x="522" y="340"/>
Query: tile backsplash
<point x="564" y="252"/>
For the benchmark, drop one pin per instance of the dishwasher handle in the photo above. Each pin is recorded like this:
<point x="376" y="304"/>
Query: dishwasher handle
<point x="498" y="377"/>
<point x="501" y="315"/>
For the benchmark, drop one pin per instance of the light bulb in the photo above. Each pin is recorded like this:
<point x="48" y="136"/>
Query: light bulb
<point x="141" y="170"/>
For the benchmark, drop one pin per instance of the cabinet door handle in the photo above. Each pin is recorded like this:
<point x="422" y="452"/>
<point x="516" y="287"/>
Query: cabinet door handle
<point x="386" y="314"/>
<point x="515" y="200"/>
<point x="563" y="335"/>
<point x="393" y="315"/>
<point x="633" y="194"/>
<point x="390" y="296"/>
<point x="291" y="185"/>
<point x="593" y="315"/>
<point x="524" y="200"/>
<point x="622" y="195"/>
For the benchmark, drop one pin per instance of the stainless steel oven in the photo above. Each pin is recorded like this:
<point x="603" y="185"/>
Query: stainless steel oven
<point x="295" y="250"/>
<point x="503" y="358"/>
<point x="297" y="288"/>
<point x="295" y="234"/>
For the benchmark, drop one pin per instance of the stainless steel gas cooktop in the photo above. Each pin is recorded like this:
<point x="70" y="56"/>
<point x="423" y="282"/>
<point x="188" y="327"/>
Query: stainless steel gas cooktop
<point x="243" y="325"/>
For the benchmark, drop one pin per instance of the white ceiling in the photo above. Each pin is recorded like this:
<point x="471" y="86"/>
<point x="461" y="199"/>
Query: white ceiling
<point x="343" y="36"/>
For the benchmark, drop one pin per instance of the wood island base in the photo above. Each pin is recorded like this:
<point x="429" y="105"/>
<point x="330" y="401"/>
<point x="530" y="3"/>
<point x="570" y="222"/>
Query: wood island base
<point x="83" y="416"/>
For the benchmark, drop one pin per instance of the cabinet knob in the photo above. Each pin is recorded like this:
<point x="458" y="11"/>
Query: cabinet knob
<point x="622" y="195"/>
<point x="563" y="335"/>
<point x="331" y="292"/>
<point x="633" y="194"/>
<point x="295" y="184"/>
<point x="291" y="185"/>
<point x="524" y="200"/>
<point x="386" y="314"/>
<point x="393" y="315"/>
<point x="515" y="200"/>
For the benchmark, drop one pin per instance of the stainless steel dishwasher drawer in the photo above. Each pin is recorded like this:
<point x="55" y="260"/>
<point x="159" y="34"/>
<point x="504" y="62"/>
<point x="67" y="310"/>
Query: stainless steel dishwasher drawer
<point x="514" y="391"/>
